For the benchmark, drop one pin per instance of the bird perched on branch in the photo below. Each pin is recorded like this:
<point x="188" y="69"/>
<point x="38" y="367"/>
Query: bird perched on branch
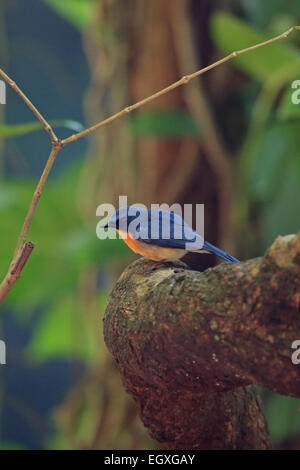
<point x="160" y="235"/>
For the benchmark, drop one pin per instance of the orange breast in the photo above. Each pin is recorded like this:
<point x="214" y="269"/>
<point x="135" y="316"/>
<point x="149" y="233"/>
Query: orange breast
<point x="153" y="252"/>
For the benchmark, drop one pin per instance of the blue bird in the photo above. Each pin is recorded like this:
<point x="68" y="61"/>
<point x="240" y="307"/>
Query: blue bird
<point x="160" y="235"/>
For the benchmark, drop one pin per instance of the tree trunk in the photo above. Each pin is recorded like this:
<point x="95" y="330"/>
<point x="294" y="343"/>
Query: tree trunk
<point x="188" y="345"/>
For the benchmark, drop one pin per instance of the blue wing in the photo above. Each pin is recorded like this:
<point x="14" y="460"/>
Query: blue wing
<point x="176" y="233"/>
<point x="169" y="230"/>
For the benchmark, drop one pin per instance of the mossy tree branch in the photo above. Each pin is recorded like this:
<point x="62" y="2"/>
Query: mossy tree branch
<point x="189" y="344"/>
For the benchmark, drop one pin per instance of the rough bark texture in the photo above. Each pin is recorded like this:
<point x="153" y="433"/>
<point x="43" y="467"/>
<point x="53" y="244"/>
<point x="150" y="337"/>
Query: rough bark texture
<point x="188" y="345"/>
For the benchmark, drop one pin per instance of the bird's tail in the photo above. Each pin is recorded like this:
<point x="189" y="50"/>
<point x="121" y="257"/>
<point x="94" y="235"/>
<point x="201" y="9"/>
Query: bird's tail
<point x="221" y="254"/>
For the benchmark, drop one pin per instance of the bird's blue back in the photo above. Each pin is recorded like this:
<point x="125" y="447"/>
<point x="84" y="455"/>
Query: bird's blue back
<point x="168" y="230"/>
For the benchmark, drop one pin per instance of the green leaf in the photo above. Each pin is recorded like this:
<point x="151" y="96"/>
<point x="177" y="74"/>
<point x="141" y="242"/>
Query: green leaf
<point x="164" y="123"/>
<point x="271" y="158"/>
<point x="283" y="416"/>
<point x="65" y="332"/>
<point x="272" y="179"/>
<point x="77" y="12"/>
<point x="16" y="130"/>
<point x="281" y="215"/>
<point x="231" y="34"/>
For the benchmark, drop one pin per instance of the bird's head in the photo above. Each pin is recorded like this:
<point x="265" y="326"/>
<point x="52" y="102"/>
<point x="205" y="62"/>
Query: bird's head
<point x="121" y="219"/>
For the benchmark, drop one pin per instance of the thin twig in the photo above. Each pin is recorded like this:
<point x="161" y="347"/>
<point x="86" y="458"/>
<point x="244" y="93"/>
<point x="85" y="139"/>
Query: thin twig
<point x="27" y="101"/>
<point x="185" y="79"/>
<point x="15" y="270"/>
<point x="23" y="250"/>
<point x="36" y="197"/>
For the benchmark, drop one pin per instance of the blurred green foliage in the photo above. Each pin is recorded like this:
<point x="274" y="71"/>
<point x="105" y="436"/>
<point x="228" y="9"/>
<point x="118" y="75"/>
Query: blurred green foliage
<point x="232" y="34"/>
<point x="65" y="247"/>
<point x="283" y="415"/>
<point x="11" y="446"/>
<point x="269" y="165"/>
<point x="77" y="12"/>
<point x="267" y="180"/>
<point x="163" y="123"/>
<point x="269" y="161"/>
